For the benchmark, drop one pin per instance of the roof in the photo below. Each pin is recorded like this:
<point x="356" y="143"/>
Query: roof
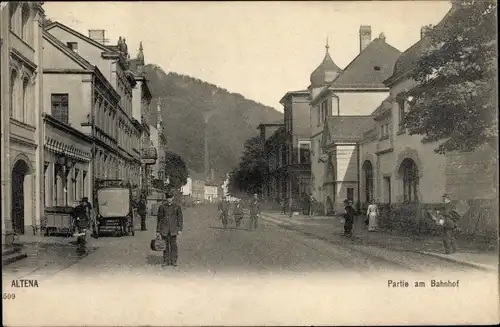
<point x="326" y="69"/>
<point x="78" y="59"/>
<point x="385" y="105"/>
<point x="370" y="68"/>
<point x="294" y="93"/>
<point x="78" y="34"/>
<point x="70" y="53"/>
<point x="409" y="59"/>
<point x="278" y="122"/>
<point x="348" y="127"/>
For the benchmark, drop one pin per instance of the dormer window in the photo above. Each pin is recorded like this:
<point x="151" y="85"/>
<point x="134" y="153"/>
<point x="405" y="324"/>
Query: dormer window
<point x="73" y="46"/>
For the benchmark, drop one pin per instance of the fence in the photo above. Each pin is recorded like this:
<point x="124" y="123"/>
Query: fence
<point x="480" y="219"/>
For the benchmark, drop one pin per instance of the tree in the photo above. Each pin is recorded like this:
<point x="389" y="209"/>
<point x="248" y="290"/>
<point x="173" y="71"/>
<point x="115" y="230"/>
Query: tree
<point x="454" y="100"/>
<point x="176" y="170"/>
<point x="251" y="173"/>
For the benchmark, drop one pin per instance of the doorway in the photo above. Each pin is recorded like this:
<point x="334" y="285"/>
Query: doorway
<point x="19" y="173"/>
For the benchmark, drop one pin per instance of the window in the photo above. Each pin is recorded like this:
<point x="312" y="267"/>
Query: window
<point x="368" y="172"/>
<point x="60" y="107"/>
<point x="13" y="78"/>
<point x="304" y="153"/>
<point x="25" y="98"/>
<point x="73" y="46"/>
<point x="401" y="110"/>
<point x="384" y="133"/>
<point x="409" y="173"/>
<point x="76" y="184"/>
<point x="335" y="106"/>
<point x="84" y="183"/>
<point x="25" y="16"/>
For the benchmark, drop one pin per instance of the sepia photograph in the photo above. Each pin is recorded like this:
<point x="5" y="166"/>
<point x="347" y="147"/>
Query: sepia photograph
<point x="249" y="163"/>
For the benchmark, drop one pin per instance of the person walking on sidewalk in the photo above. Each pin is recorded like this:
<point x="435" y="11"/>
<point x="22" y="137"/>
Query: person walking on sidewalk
<point x="254" y="212"/>
<point x="372" y="215"/>
<point x="168" y="227"/>
<point x="448" y="218"/>
<point x="348" y="218"/>
<point x="141" y="210"/>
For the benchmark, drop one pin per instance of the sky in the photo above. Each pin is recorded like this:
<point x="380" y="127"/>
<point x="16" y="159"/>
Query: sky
<point x="258" y="49"/>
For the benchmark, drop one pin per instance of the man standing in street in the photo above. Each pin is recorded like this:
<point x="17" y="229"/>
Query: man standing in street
<point x="168" y="227"/>
<point x="223" y="211"/>
<point x="448" y="219"/>
<point x="254" y="212"/>
<point x="142" y="210"/>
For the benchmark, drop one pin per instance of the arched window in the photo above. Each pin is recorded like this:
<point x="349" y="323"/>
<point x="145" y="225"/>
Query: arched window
<point x="409" y="173"/>
<point x="12" y="90"/>
<point x="24" y="111"/>
<point x="12" y="16"/>
<point x="26" y="23"/>
<point x="368" y="180"/>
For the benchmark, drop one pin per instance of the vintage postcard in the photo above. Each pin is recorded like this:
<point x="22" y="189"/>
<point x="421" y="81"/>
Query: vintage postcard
<point x="249" y="163"/>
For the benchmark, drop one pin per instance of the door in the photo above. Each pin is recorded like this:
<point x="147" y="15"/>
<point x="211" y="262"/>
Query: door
<point x="19" y="173"/>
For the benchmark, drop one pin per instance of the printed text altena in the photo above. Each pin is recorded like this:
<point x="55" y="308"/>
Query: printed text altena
<point x="21" y="283"/>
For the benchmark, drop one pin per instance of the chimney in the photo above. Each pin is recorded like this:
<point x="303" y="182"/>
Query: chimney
<point x="365" y="36"/>
<point x="98" y="36"/>
<point x="424" y="30"/>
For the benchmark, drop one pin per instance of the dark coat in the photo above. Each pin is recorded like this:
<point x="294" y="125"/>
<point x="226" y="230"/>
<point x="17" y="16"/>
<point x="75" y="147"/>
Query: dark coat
<point x="169" y="219"/>
<point x="238" y="211"/>
<point x="254" y="207"/>
<point x="141" y="207"/>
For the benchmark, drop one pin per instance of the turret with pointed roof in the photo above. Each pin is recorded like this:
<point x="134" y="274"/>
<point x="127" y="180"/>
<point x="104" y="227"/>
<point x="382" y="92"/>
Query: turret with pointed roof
<point x="326" y="72"/>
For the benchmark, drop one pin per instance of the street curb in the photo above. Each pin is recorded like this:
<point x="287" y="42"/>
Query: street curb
<point x="461" y="262"/>
<point x="436" y="255"/>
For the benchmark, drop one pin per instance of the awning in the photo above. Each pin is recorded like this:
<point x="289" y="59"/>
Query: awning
<point x="69" y="150"/>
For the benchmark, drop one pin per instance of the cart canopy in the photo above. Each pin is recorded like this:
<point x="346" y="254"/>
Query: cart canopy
<point x="113" y="202"/>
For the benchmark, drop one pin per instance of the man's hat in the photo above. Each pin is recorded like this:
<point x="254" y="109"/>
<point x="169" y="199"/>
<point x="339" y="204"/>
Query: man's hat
<point x="446" y="196"/>
<point x="169" y="195"/>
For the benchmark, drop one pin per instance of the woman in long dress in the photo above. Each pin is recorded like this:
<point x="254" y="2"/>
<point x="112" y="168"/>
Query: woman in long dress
<point x="372" y="214"/>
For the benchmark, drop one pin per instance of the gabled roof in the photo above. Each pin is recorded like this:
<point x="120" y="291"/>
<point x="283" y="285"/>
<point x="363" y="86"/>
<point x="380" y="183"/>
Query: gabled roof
<point x="79" y="60"/>
<point x="347" y="128"/>
<point x="78" y="34"/>
<point x="370" y="68"/>
<point x="68" y="52"/>
<point x="384" y="107"/>
<point x="409" y="59"/>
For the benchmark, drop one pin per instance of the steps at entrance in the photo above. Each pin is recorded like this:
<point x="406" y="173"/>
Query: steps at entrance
<point x="12" y="254"/>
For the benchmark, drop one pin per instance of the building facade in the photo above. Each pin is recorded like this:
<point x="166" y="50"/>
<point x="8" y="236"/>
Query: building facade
<point x="141" y="104"/>
<point x="115" y="133"/>
<point x="352" y="92"/>
<point x="297" y="129"/>
<point x="21" y="124"/>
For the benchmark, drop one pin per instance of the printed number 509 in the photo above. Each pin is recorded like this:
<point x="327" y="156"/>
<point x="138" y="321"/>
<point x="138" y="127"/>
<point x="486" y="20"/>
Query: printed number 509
<point x="9" y="296"/>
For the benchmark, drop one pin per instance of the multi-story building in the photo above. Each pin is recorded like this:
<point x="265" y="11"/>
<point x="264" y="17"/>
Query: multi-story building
<point x="74" y="91"/>
<point x="297" y="170"/>
<point x="21" y="80"/>
<point x="141" y="102"/>
<point x="398" y="168"/>
<point x="353" y="92"/>
<point x="115" y="133"/>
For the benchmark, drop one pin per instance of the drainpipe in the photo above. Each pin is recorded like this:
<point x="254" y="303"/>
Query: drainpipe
<point x="92" y="121"/>
<point x="358" y="205"/>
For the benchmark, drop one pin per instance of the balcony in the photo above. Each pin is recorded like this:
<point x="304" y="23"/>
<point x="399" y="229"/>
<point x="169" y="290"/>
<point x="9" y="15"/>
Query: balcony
<point x="149" y="156"/>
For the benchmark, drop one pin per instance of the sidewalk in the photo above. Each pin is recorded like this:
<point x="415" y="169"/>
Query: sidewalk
<point x="481" y="255"/>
